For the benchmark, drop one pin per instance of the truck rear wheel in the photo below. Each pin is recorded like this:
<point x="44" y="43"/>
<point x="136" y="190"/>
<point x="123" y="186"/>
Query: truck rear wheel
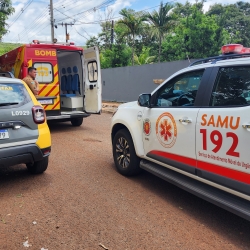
<point x="76" y="121"/>
<point x="38" y="167"/>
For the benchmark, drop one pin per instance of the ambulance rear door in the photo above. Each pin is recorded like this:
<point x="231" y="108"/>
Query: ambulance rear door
<point x="92" y="81"/>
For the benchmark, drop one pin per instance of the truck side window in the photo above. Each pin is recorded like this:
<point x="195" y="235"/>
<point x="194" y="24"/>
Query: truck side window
<point x="44" y="72"/>
<point x="232" y="87"/>
<point x="92" y="71"/>
<point x="180" y="91"/>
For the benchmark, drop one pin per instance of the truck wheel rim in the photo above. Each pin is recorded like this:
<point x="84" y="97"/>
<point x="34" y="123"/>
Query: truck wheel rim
<point x="122" y="152"/>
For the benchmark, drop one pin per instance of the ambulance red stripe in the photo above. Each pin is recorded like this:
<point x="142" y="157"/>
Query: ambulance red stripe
<point x="44" y="87"/>
<point x="56" y="104"/>
<point x="182" y="159"/>
<point x="219" y="170"/>
<point x="56" y="85"/>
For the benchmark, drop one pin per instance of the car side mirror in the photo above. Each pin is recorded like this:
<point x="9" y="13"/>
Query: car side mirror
<point x="144" y="100"/>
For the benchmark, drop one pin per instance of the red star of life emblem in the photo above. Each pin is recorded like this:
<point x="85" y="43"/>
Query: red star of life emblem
<point x="166" y="130"/>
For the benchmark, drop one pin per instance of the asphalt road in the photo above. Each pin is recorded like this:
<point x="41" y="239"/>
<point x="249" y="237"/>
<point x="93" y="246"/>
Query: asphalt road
<point x="81" y="202"/>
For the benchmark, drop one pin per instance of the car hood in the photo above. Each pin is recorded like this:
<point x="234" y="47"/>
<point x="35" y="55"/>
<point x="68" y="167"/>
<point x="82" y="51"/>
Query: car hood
<point x="128" y="104"/>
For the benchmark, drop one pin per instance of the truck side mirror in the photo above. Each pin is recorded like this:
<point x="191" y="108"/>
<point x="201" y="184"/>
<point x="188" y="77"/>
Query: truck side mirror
<point x="144" y="100"/>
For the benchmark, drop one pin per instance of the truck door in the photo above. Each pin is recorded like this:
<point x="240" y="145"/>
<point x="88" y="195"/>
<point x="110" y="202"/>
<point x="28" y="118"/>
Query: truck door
<point x="169" y="126"/>
<point x="92" y="81"/>
<point x="223" y="131"/>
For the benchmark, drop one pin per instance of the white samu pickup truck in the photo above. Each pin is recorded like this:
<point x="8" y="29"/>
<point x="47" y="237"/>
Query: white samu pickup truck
<point x="193" y="130"/>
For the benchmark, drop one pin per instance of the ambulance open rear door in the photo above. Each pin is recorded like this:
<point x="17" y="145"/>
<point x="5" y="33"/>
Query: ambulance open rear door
<point x="92" y="81"/>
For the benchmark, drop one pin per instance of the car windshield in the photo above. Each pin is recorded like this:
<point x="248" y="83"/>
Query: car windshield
<point x="13" y="94"/>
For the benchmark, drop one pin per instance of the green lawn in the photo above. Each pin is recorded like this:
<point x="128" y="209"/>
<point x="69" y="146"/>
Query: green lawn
<point x="5" y="47"/>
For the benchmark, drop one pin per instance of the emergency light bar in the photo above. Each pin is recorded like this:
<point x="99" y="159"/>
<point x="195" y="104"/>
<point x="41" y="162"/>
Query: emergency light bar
<point x="229" y="51"/>
<point x="234" y="49"/>
<point x="46" y="42"/>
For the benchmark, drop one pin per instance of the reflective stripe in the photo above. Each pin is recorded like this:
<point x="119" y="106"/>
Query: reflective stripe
<point x="212" y="168"/>
<point x="52" y="89"/>
<point x="19" y="143"/>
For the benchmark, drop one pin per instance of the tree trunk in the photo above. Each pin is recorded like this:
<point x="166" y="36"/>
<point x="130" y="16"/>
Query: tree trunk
<point x="159" y="55"/>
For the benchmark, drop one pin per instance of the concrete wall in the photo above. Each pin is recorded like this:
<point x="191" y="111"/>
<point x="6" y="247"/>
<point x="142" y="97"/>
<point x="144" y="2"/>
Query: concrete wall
<point x="127" y="83"/>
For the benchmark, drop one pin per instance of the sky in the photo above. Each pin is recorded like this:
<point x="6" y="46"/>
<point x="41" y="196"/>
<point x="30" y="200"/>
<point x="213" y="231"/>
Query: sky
<point x="32" y="20"/>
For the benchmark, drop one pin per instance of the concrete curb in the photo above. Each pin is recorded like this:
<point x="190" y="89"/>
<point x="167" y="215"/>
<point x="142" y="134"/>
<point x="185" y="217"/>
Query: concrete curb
<point x="109" y="111"/>
<point x="109" y="107"/>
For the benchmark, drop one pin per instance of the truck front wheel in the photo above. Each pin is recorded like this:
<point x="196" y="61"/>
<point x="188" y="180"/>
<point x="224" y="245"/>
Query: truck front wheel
<point x="125" y="158"/>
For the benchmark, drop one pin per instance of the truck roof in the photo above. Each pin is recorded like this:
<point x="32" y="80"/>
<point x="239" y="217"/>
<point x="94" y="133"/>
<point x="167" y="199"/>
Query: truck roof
<point x="53" y="46"/>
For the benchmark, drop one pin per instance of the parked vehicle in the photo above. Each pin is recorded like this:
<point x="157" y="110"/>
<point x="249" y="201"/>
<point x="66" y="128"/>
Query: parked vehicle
<point x="24" y="133"/>
<point x="69" y="77"/>
<point x="193" y="130"/>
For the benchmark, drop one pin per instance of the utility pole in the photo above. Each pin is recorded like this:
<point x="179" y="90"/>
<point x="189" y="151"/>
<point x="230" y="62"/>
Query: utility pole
<point x="52" y="21"/>
<point x="66" y="32"/>
<point x="112" y="32"/>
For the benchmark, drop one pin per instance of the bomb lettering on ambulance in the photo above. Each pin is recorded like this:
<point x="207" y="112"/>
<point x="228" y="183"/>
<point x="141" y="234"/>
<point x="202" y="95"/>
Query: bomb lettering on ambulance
<point x="166" y="130"/>
<point x="45" y="53"/>
<point x="216" y="137"/>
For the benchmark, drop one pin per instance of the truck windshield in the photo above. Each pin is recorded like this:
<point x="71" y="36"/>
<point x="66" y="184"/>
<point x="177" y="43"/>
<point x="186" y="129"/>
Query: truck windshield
<point x="13" y="94"/>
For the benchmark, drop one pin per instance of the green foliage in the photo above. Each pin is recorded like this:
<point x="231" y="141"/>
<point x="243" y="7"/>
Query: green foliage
<point x="197" y="36"/>
<point x="118" y="56"/>
<point x="161" y="22"/>
<point x="174" y="32"/>
<point x="133" y="22"/>
<point x="5" y="11"/>
<point x="6" y="47"/>
<point x="93" y="41"/>
<point x="144" y="57"/>
<point x="235" y="18"/>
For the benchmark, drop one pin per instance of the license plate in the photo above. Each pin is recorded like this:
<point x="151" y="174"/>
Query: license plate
<point x="47" y="101"/>
<point x="4" y="134"/>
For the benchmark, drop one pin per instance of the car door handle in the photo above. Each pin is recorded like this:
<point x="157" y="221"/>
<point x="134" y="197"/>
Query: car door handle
<point x="185" y="120"/>
<point x="247" y="126"/>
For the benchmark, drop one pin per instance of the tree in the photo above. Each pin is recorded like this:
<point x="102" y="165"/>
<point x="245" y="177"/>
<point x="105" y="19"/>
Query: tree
<point x="144" y="57"/>
<point x="235" y="18"/>
<point x="162" y="22"/>
<point x="5" y="11"/>
<point x="197" y="36"/>
<point x="93" y="41"/>
<point x="118" y="56"/>
<point x="133" y="22"/>
<point x="105" y="35"/>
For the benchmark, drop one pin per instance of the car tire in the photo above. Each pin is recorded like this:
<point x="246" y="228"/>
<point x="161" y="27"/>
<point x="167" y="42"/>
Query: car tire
<point x="38" y="167"/>
<point x="76" y="122"/>
<point x="125" y="158"/>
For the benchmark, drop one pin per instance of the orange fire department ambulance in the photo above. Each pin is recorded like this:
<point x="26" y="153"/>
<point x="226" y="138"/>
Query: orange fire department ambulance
<point x="69" y="77"/>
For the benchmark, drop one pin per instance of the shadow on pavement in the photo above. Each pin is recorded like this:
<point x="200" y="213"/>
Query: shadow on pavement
<point x="234" y="228"/>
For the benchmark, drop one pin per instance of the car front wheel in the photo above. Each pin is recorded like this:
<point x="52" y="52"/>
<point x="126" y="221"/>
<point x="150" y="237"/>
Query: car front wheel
<point x="38" y="167"/>
<point x="125" y="158"/>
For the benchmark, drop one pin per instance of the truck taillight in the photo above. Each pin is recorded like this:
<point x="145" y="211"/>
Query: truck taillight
<point x="39" y="115"/>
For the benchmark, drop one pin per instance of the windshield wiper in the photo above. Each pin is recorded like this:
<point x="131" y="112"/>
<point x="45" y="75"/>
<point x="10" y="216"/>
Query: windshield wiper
<point x="8" y="103"/>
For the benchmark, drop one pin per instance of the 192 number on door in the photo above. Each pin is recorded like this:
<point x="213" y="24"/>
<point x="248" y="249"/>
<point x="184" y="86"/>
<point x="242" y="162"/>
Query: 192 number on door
<point x="217" y="139"/>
